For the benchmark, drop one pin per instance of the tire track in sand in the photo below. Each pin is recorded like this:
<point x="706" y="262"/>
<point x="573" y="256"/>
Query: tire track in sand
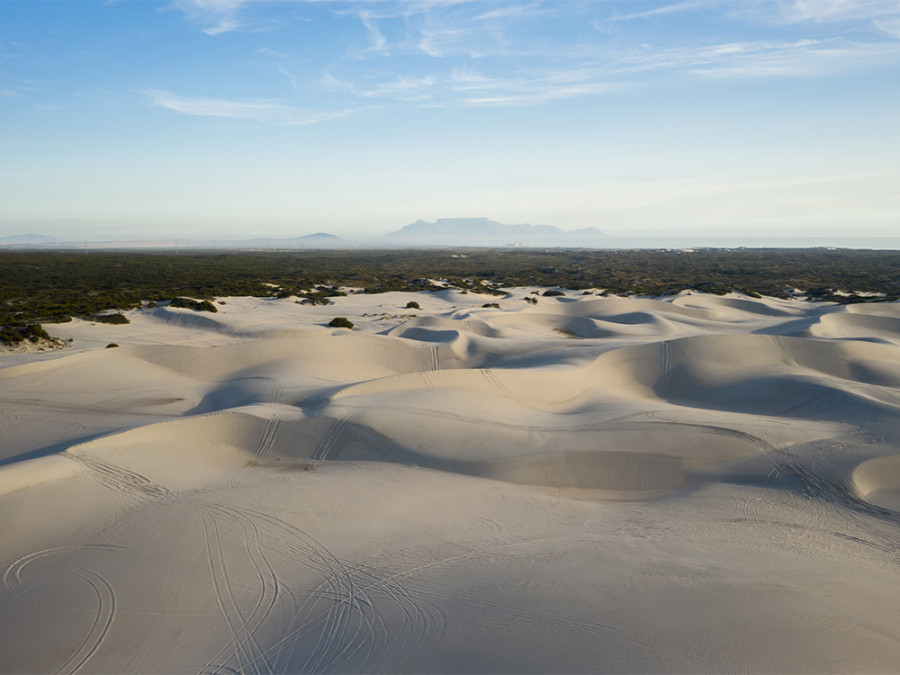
<point x="350" y="630"/>
<point x="262" y="449"/>
<point x="323" y="449"/>
<point x="242" y="626"/>
<point x="243" y="644"/>
<point x="105" y="600"/>
<point x="120" y="479"/>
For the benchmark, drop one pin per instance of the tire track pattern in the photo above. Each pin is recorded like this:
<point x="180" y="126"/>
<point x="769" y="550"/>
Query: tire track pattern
<point x="435" y="358"/>
<point x="498" y="385"/>
<point x="262" y="449"/>
<point x="355" y="618"/>
<point x="326" y="444"/>
<point x="103" y="604"/>
<point x="120" y="479"/>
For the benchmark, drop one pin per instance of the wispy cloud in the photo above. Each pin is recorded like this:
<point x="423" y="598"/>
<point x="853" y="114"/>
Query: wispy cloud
<point x="756" y="59"/>
<point x="661" y="10"/>
<point x="468" y="88"/>
<point x="774" y="11"/>
<point x="378" y="40"/>
<point x="803" y="58"/>
<point x="890" y="26"/>
<point x="259" y="110"/>
<point x="838" y="10"/>
<point x="615" y="71"/>
<point x="214" y="16"/>
<point x="523" y="53"/>
<point x="214" y="107"/>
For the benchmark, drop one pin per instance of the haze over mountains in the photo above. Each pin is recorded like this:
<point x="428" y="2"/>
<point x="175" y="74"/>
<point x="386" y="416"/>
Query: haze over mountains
<point x="442" y="232"/>
<point x="461" y="232"/>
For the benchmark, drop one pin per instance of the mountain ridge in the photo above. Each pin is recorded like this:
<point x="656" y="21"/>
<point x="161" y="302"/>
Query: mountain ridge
<point x="484" y="231"/>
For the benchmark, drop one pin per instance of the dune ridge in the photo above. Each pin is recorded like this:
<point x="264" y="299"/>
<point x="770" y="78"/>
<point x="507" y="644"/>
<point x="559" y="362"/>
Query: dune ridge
<point x="689" y="483"/>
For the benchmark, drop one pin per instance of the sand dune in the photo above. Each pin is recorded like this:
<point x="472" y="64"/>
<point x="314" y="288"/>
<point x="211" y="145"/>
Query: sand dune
<point x="691" y="483"/>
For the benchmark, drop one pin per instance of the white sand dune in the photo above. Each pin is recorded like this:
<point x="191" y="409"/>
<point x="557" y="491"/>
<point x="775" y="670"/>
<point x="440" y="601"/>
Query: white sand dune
<point x="590" y="484"/>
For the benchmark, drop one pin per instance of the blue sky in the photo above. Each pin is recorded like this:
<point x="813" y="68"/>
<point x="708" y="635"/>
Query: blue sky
<point x="234" y="118"/>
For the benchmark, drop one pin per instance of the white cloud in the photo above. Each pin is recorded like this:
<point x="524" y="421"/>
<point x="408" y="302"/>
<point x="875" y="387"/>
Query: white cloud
<point x="260" y="110"/>
<point x="889" y="26"/>
<point x="533" y="52"/>
<point x="378" y="40"/>
<point x="215" y="16"/>
<point x="662" y="10"/>
<point x="537" y="95"/>
<point x="802" y="58"/>
<point x="213" y="107"/>
<point x="839" y="10"/>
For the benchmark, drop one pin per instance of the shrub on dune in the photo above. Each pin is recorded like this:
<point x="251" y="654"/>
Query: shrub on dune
<point x="196" y="305"/>
<point x="110" y="318"/>
<point x="15" y="334"/>
<point x="341" y="322"/>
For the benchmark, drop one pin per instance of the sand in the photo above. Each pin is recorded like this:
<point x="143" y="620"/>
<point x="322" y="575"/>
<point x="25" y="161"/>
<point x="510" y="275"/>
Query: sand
<point x="684" y="484"/>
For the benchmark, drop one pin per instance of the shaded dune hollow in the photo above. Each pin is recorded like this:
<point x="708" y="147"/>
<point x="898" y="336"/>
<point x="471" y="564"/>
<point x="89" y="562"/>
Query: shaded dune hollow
<point x="597" y="470"/>
<point x="231" y="440"/>
<point x="877" y="481"/>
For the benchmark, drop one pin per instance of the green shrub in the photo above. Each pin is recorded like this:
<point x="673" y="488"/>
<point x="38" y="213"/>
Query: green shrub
<point x="196" y="305"/>
<point x="16" y="334"/>
<point x="110" y="318"/>
<point x="341" y="322"/>
<point x="111" y="345"/>
<point x="412" y="304"/>
<point x="35" y="333"/>
<point x="552" y="293"/>
<point x="10" y="335"/>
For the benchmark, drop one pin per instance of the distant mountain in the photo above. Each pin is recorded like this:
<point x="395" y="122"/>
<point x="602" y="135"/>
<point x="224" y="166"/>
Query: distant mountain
<point x="28" y="240"/>
<point x="321" y="239"/>
<point x="317" y="240"/>
<point x="486" y="232"/>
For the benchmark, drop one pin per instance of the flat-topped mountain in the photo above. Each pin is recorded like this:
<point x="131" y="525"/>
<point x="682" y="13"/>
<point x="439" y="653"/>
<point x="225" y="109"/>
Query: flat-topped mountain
<point x="486" y="232"/>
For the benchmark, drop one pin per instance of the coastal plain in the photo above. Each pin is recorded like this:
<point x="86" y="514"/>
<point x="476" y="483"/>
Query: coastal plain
<point x="678" y="484"/>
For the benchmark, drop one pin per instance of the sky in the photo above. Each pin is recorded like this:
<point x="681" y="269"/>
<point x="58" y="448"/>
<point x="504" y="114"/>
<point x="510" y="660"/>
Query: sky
<point x="126" y="119"/>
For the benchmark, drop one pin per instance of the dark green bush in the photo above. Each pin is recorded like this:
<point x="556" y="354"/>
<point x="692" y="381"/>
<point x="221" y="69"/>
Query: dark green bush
<point x="10" y="335"/>
<point x="340" y="322"/>
<point x="314" y="300"/>
<point x="111" y="345"/>
<point x="551" y="293"/>
<point x="196" y="305"/>
<point x="110" y="318"/>
<point x="35" y="333"/>
<point x="412" y="304"/>
<point x="16" y="334"/>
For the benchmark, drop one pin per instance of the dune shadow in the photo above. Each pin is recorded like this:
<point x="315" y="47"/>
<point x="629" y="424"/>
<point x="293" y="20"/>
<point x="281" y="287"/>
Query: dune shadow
<point x="55" y="448"/>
